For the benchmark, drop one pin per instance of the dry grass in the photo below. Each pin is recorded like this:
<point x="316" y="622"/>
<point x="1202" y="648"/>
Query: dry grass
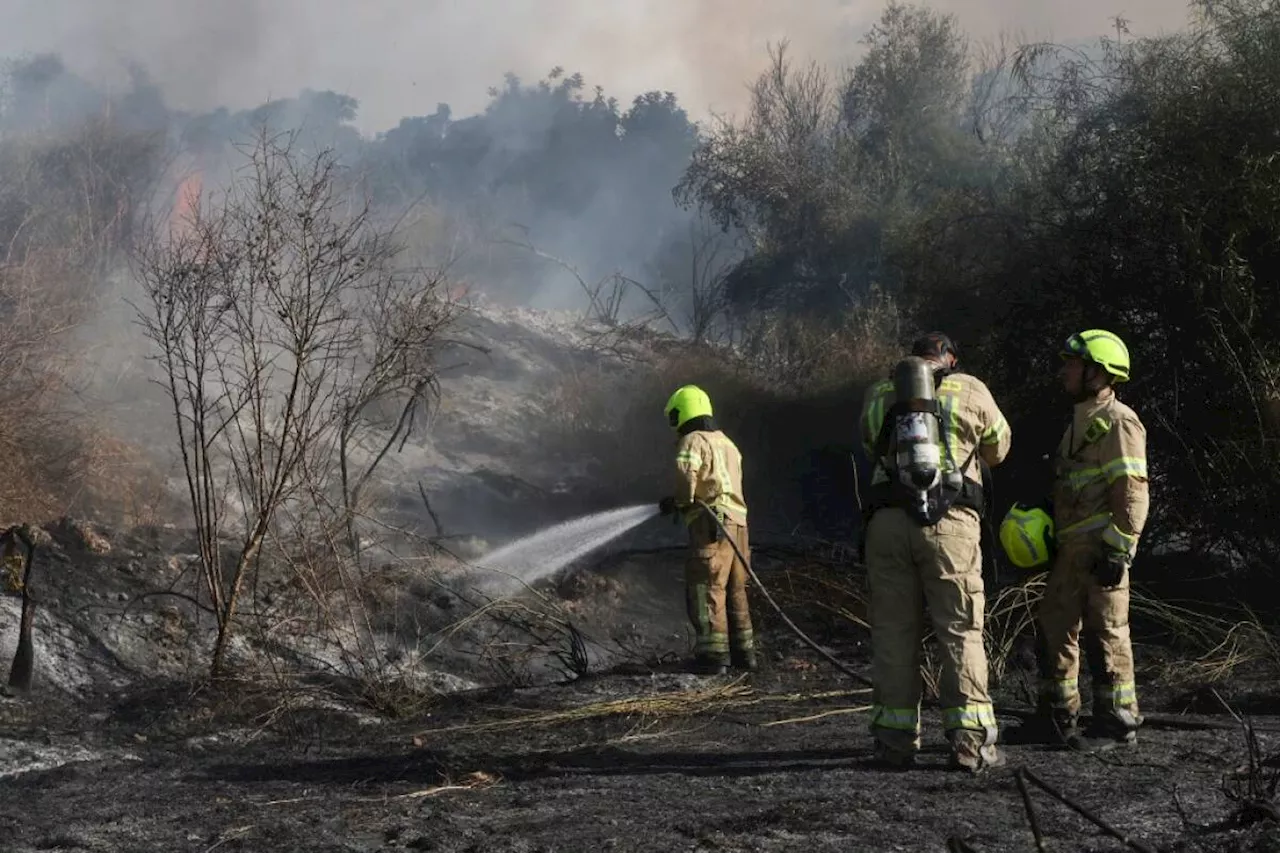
<point x="655" y="706"/>
<point x="1210" y="649"/>
<point x="1213" y="648"/>
<point x="813" y="354"/>
<point x="1010" y="617"/>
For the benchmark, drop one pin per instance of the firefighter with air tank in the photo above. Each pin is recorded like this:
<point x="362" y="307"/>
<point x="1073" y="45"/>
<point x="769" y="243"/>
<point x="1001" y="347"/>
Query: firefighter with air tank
<point x="931" y="431"/>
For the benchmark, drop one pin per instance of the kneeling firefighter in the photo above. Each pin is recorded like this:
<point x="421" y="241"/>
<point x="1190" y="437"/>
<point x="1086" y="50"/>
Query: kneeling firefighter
<point x="1099" y="508"/>
<point x="709" y="470"/>
<point x="931" y="432"/>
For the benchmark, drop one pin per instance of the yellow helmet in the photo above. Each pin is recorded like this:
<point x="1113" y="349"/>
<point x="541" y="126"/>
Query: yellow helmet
<point x="1027" y="536"/>
<point x="1101" y="347"/>
<point x="689" y="401"/>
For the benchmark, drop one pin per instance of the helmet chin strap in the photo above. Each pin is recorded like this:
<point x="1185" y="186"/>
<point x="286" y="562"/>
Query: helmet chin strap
<point x="1089" y="385"/>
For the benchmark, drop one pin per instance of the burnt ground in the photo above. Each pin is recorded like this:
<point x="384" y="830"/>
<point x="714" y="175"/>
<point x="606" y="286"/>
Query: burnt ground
<point x="738" y="777"/>
<point x="778" y="760"/>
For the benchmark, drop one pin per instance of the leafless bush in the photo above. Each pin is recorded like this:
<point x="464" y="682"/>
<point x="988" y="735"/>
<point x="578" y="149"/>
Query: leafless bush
<point x="1253" y="788"/>
<point x="287" y="334"/>
<point x="710" y="253"/>
<point x="608" y="295"/>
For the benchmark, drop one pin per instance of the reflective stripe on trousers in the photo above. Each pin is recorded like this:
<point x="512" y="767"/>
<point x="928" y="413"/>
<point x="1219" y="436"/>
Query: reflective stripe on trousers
<point x="898" y="719"/>
<point x="1116" y="696"/>
<point x="979" y="718"/>
<point x="969" y="717"/>
<point x="1060" y="693"/>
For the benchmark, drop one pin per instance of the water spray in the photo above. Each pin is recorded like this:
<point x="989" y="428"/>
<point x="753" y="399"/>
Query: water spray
<point x="547" y="551"/>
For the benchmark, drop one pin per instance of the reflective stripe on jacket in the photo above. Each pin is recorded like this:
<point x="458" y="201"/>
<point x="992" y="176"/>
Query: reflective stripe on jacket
<point x="970" y="417"/>
<point x="709" y="467"/>
<point x="1100" y="474"/>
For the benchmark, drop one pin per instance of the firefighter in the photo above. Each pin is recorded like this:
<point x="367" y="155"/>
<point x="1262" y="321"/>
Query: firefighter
<point x="1100" y="502"/>
<point x="930" y="431"/>
<point x="708" y="467"/>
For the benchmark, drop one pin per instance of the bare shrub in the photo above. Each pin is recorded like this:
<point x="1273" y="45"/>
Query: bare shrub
<point x="286" y="332"/>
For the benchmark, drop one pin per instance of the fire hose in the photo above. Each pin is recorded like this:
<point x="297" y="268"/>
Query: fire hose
<point x="832" y="659"/>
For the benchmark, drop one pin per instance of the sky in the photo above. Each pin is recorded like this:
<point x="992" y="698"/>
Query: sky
<point x="402" y="57"/>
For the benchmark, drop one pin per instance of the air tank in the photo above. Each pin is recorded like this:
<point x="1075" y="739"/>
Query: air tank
<point x="918" y="454"/>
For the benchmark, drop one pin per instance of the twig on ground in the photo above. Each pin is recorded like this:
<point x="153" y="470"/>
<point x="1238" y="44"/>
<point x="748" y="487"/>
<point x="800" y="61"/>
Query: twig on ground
<point x="1031" y="811"/>
<point x="1087" y="815"/>
<point x="858" y="709"/>
<point x="289" y="801"/>
<point x="230" y="835"/>
<point x="1223" y="703"/>
<point x="1187" y="822"/>
<point x="475" y="781"/>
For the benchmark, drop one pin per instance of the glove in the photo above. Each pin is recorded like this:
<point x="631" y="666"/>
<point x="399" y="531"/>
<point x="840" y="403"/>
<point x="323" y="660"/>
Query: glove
<point x="667" y="505"/>
<point x="1109" y="569"/>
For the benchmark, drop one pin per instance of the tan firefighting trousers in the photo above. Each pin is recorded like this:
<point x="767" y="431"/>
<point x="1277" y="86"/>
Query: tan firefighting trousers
<point x="907" y="567"/>
<point x="1072" y="600"/>
<point x="716" y="591"/>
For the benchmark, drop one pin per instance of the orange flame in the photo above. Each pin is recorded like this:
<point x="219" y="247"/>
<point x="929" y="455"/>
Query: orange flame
<point x="186" y="205"/>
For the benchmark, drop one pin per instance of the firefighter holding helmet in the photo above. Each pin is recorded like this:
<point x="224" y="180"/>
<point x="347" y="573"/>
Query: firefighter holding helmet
<point x="708" y="469"/>
<point x="929" y="430"/>
<point x="1099" y="507"/>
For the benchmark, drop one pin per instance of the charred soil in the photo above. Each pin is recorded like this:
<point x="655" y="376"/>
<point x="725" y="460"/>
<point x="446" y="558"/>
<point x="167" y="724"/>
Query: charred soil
<point x="628" y="757"/>
<point x="773" y="762"/>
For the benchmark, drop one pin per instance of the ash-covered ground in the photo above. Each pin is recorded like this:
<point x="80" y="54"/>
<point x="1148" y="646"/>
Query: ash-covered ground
<point x="120" y="748"/>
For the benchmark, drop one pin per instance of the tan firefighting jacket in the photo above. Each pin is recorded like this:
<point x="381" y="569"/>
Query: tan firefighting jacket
<point x="709" y="467"/>
<point x="1100" y="474"/>
<point x="970" y="417"/>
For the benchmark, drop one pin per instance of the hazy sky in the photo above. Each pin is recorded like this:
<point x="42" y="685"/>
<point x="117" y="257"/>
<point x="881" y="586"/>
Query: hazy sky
<point x="402" y="57"/>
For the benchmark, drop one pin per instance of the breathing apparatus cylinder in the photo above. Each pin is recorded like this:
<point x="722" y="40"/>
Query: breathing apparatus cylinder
<point x="917" y="454"/>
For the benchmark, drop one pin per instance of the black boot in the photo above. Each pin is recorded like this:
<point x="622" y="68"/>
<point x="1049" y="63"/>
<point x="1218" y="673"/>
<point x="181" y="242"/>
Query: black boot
<point x="1106" y="731"/>
<point x="1044" y="729"/>
<point x="709" y="666"/>
<point x="744" y="659"/>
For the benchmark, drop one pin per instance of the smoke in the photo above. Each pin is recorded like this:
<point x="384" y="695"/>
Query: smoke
<point x="401" y="57"/>
<point x="590" y="186"/>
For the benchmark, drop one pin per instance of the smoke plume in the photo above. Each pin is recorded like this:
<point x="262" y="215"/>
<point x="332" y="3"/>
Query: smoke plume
<point x="401" y="57"/>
